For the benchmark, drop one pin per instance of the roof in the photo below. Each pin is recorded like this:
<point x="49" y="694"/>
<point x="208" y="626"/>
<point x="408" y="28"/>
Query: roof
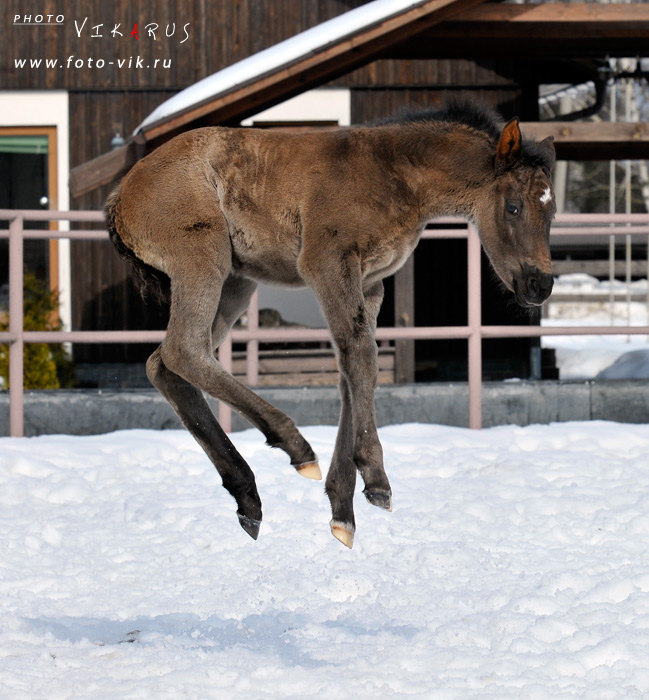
<point x="279" y="56"/>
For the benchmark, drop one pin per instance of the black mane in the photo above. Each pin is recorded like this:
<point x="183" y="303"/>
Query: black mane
<point x="477" y="117"/>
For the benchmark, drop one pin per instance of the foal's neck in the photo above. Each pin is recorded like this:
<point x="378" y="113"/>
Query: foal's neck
<point x="448" y="165"/>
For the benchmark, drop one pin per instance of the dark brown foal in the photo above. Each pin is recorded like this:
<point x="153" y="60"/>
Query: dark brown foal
<point x="216" y="210"/>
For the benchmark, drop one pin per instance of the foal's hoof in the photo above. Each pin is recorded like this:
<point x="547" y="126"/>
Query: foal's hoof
<point x="379" y="498"/>
<point x="344" y="532"/>
<point x="250" y="525"/>
<point x="310" y="470"/>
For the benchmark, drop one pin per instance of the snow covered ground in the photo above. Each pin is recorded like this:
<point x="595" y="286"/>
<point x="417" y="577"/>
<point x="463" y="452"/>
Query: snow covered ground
<point x="585" y="357"/>
<point x="514" y="565"/>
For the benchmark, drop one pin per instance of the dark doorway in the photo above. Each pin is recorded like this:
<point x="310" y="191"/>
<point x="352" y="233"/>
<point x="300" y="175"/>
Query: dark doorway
<point x="24" y="184"/>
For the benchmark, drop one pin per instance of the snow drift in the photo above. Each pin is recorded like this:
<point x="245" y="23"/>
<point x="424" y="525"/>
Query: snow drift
<point x="514" y="565"/>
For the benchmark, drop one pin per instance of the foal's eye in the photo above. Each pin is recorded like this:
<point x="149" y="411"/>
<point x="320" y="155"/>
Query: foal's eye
<point x="512" y="209"/>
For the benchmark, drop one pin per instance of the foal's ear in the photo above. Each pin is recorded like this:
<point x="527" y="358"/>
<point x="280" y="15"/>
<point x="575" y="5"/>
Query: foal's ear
<point x="509" y="146"/>
<point x="547" y="150"/>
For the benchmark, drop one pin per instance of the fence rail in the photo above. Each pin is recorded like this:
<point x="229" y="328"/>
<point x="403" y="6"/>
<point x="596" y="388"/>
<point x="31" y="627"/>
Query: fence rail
<point x="474" y="332"/>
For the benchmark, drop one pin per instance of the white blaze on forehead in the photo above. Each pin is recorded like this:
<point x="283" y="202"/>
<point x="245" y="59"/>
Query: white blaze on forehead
<point x="546" y="196"/>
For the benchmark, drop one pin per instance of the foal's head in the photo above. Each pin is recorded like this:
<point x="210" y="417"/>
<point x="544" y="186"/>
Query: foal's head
<point x="514" y="216"/>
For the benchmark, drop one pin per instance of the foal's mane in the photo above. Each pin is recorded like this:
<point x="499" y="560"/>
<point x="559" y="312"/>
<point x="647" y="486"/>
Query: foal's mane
<point x="474" y="116"/>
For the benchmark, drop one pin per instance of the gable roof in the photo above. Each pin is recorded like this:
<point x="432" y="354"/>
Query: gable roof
<point x="299" y="63"/>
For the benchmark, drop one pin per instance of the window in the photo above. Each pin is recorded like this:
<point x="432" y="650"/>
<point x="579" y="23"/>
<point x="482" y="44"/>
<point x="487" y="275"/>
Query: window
<point x="28" y="181"/>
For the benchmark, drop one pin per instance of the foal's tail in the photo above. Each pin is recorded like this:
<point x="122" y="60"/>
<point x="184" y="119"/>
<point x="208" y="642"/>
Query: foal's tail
<point x="150" y="281"/>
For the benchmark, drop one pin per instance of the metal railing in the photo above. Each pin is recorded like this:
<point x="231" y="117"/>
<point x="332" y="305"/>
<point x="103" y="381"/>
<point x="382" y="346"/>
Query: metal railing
<point x="474" y="332"/>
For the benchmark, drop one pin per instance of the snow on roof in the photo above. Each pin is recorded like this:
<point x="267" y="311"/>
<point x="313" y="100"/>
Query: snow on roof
<point x="275" y="57"/>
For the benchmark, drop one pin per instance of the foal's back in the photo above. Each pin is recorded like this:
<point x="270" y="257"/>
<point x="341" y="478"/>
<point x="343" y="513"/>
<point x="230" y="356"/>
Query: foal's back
<point x="262" y="189"/>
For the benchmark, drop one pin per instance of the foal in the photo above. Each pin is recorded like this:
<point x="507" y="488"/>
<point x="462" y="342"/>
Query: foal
<point x="215" y="210"/>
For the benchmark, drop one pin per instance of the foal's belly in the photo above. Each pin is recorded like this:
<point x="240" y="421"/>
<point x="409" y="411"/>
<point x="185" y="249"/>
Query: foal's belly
<point x="266" y="257"/>
<point x="271" y="270"/>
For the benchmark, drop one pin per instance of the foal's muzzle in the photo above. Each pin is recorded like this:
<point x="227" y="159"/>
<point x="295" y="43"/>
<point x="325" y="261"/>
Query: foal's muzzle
<point x="532" y="286"/>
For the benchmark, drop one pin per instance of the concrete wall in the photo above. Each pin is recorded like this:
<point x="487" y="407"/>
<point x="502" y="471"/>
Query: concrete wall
<point x="83" y="412"/>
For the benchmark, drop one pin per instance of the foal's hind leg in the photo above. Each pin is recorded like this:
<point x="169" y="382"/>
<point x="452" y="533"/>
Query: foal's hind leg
<point x="279" y="430"/>
<point x="188" y="349"/>
<point x="192" y="409"/>
<point x="196" y="415"/>
<point x="189" y="352"/>
<point x="188" y="401"/>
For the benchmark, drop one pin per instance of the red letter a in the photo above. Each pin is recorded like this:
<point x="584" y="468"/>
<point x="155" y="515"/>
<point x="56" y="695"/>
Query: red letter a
<point x="134" y="32"/>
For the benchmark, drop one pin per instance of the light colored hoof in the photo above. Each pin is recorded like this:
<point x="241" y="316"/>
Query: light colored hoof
<point x="310" y="470"/>
<point x="343" y="532"/>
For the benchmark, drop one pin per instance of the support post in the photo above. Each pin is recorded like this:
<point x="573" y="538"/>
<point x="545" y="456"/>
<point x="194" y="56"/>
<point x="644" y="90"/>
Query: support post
<point x="252" y="347"/>
<point x="225" y="358"/>
<point x="404" y="317"/>
<point x="16" y="328"/>
<point x="475" y="327"/>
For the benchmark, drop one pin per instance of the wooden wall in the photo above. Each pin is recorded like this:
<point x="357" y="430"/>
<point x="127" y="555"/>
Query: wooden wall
<point x="220" y="32"/>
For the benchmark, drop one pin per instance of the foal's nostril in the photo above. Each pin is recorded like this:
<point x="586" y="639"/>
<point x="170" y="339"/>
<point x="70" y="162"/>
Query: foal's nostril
<point x="533" y="286"/>
<point x="545" y="284"/>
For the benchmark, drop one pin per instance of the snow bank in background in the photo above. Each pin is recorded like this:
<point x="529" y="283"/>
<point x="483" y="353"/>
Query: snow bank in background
<point x="283" y="54"/>
<point x="589" y="357"/>
<point x="580" y="283"/>
<point x="631" y="365"/>
<point x="514" y="565"/>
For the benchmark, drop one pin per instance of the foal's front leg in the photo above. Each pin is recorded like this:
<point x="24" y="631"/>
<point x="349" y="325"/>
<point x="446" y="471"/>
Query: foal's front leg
<point x="377" y="487"/>
<point x="351" y="314"/>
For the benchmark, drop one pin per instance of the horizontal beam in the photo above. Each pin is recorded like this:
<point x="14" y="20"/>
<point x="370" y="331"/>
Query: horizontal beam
<point x="102" y="170"/>
<point x="290" y="335"/>
<point x="593" y="140"/>
<point x="535" y="31"/>
<point x="598" y="268"/>
<point x="595" y="298"/>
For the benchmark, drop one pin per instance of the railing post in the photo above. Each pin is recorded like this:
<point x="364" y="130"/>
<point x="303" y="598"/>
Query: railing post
<point x="225" y="358"/>
<point x="611" y="278"/>
<point x="475" y="327"/>
<point x="252" y="347"/>
<point x="16" y="327"/>
<point x="404" y="317"/>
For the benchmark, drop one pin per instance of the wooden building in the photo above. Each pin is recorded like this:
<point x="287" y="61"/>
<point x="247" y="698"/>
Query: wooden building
<point x="83" y="78"/>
